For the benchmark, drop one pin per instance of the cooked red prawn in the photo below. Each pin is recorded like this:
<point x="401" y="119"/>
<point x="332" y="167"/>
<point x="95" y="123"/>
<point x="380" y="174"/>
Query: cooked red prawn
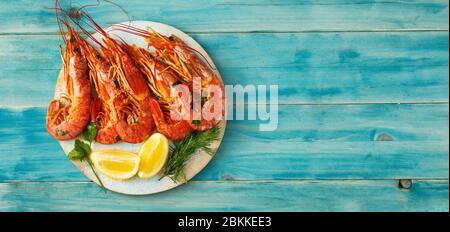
<point x="69" y="112"/>
<point x="133" y="120"/>
<point x="187" y="64"/>
<point x="161" y="81"/>
<point x="103" y="113"/>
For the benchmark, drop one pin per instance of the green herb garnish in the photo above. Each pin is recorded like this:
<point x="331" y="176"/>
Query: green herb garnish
<point x="183" y="151"/>
<point x="61" y="132"/>
<point x="90" y="132"/>
<point x="176" y="83"/>
<point x="82" y="150"/>
<point x="196" y="122"/>
<point x="116" y="84"/>
<point x="204" y="99"/>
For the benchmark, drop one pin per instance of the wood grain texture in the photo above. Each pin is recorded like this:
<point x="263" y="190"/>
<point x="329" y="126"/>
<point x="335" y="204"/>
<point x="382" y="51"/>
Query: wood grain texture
<point x="341" y="144"/>
<point x="375" y="195"/>
<point x="308" y="68"/>
<point x="28" y="16"/>
<point x="325" y="142"/>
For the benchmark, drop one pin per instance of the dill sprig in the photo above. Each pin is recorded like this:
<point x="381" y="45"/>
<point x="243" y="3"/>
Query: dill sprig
<point x="183" y="151"/>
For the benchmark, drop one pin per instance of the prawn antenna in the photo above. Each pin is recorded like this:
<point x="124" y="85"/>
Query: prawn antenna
<point x="59" y="20"/>
<point x="143" y="33"/>
<point x="81" y="13"/>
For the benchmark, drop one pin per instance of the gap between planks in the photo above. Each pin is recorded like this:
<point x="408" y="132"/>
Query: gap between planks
<point x="308" y="4"/>
<point x="24" y="107"/>
<point x="247" y="180"/>
<point x="265" y="31"/>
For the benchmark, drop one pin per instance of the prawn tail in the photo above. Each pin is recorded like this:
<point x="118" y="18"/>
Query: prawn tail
<point x="174" y="131"/>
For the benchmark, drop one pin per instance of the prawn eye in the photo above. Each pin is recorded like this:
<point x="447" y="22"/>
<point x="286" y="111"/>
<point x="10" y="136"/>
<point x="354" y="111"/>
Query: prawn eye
<point x="74" y="13"/>
<point x="76" y="49"/>
<point x="171" y="38"/>
<point x="97" y="56"/>
<point x="71" y="39"/>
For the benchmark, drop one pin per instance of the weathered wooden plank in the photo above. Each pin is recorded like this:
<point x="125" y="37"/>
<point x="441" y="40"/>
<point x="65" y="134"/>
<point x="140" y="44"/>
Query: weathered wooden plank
<point x="326" y="68"/>
<point x="326" y="142"/>
<point x="25" y="16"/>
<point x="363" y="195"/>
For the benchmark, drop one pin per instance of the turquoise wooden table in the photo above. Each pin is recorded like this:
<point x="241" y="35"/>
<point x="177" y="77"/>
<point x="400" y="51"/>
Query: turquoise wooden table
<point x="363" y="103"/>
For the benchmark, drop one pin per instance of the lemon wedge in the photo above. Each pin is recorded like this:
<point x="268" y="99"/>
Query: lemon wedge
<point x="116" y="164"/>
<point x="153" y="155"/>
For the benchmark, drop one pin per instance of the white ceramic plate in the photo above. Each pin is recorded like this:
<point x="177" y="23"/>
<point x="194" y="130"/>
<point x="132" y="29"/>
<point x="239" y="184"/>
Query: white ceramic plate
<point x="135" y="185"/>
